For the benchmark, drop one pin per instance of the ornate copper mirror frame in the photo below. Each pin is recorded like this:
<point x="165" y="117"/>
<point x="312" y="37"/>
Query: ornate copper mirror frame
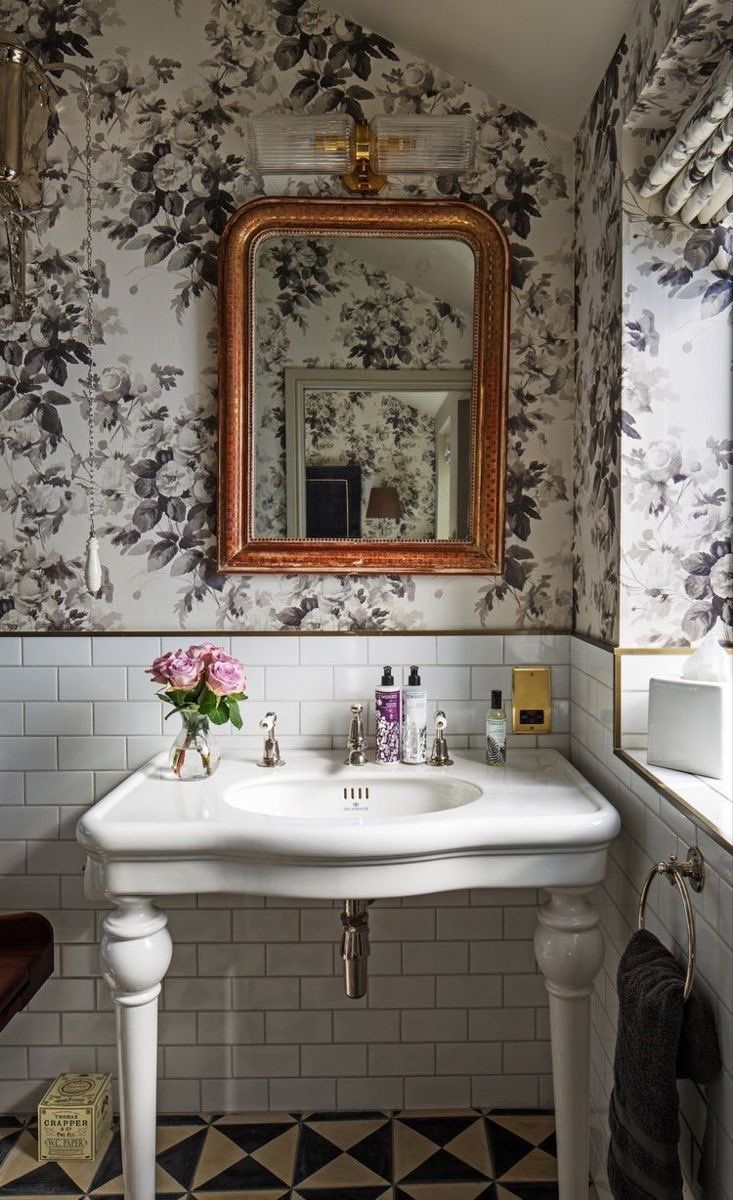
<point x="240" y="552"/>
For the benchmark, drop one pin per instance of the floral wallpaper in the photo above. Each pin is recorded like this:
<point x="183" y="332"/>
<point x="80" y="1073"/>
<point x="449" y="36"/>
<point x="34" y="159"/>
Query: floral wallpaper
<point x="619" y="271"/>
<point x="596" y="471"/>
<point x="677" y="423"/>
<point x="318" y="304"/>
<point x="176" y="80"/>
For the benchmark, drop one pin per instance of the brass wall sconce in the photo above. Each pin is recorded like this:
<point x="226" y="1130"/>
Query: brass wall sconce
<point x="363" y="154"/>
<point x="27" y="103"/>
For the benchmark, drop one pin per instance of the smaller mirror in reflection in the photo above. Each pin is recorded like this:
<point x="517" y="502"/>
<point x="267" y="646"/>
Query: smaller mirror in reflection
<point x="376" y="461"/>
<point x="363" y="389"/>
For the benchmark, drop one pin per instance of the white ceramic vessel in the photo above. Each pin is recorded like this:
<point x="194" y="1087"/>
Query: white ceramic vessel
<point x="316" y="828"/>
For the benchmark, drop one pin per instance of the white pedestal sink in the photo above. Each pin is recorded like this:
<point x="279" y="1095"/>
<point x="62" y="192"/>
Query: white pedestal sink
<point x="315" y="828"/>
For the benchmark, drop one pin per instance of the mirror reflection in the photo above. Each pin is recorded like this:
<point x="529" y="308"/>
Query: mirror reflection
<point x="363" y="390"/>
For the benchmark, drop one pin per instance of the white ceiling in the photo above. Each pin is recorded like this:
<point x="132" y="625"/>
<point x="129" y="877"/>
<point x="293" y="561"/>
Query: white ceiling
<point x="545" y="57"/>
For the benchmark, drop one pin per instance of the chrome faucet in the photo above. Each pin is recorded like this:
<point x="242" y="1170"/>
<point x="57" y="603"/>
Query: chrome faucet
<point x="271" y="752"/>
<point x="440" y="756"/>
<point x="356" y="744"/>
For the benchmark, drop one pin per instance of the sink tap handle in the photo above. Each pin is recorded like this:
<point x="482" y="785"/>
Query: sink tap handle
<point x="271" y="752"/>
<point x="440" y="756"/>
<point x="356" y="744"/>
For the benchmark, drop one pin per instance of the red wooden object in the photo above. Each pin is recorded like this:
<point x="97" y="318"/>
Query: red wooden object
<point x="26" y="960"/>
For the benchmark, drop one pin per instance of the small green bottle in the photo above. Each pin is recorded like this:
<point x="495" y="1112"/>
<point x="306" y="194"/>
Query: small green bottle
<point x="496" y="731"/>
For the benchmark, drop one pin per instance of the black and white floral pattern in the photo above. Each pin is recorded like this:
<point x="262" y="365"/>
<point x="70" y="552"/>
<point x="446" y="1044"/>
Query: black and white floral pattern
<point x="638" y="399"/>
<point x="176" y="80"/>
<point x="677" y="430"/>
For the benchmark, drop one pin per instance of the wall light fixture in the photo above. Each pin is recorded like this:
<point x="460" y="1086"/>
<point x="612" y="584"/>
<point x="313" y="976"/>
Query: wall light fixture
<point x="27" y="103"/>
<point x="362" y="153"/>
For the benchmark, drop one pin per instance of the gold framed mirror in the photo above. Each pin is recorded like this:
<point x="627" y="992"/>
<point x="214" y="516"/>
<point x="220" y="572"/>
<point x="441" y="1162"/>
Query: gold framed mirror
<point x="363" y="351"/>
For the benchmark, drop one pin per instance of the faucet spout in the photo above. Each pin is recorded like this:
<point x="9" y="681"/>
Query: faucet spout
<point x="271" y="751"/>
<point x="440" y="756"/>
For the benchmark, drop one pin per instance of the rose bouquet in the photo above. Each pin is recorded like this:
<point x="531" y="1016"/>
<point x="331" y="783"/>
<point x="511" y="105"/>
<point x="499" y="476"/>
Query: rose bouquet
<point x="204" y="684"/>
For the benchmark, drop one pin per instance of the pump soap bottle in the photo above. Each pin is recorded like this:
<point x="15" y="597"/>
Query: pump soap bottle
<point x="388" y="703"/>
<point x="496" y="731"/>
<point x="414" y="720"/>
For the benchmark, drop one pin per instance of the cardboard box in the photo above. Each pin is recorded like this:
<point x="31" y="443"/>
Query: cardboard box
<point x="73" y="1118"/>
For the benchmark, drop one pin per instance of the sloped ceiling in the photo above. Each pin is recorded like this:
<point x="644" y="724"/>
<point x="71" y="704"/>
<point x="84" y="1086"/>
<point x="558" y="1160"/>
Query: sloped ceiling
<point x="545" y="57"/>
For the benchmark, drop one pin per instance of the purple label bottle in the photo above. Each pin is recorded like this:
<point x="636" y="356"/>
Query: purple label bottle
<point x="388" y="702"/>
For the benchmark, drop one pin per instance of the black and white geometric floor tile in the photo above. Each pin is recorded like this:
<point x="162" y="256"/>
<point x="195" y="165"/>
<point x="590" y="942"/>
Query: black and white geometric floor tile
<point x="464" y="1155"/>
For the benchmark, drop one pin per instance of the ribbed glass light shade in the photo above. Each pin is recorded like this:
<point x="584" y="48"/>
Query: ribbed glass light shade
<point x="294" y="144"/>
<point x="402" y="143"/>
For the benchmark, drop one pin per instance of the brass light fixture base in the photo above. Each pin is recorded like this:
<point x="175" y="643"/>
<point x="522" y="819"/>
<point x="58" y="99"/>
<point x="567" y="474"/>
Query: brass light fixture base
<point x="363" y="179"/>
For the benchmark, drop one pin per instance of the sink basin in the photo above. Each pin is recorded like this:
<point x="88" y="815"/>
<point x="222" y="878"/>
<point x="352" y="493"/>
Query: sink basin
<point x="373" y="798"/>
<point x="308" y="829"/>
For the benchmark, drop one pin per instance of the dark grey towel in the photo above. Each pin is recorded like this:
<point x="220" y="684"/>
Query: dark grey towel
<point x="661" y="1038"/>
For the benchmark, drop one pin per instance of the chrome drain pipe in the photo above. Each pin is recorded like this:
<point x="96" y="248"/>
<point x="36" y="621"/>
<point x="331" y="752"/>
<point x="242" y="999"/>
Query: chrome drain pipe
<point x="355" y="947"/>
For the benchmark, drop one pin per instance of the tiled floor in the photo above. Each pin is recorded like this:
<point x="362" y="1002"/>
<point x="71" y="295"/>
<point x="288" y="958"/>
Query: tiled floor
<point x="466" y="1155"/>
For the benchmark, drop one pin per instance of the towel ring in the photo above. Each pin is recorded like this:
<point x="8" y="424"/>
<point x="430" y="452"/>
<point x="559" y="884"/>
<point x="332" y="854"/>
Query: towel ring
<point x="677" y="872"/>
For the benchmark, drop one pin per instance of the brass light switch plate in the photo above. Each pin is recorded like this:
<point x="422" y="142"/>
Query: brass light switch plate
<point x="531" y="700"/>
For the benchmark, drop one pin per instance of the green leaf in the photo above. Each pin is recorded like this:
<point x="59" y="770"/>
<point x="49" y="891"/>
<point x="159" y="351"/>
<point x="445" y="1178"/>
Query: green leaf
<point x="208" y="701"/>
<point x="235" y="715"/>
<point x="217" y="717"/>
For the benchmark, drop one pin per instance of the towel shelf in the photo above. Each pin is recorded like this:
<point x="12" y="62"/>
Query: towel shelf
<point x="677" y="872"/>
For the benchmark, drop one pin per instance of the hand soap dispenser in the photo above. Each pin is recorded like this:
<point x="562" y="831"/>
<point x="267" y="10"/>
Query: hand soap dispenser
<point x="387" y="700"/>
<point x="496" y="731"/>
<point x="414" y="720"/>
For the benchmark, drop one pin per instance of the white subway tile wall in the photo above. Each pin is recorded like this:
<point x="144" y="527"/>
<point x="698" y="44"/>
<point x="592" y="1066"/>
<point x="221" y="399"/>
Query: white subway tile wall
<point x="652" y="828"/>
<point x="636" y="671"/>
<point x="253" y="1013"/>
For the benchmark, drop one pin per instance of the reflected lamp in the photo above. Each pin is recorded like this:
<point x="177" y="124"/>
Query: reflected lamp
<point x="384" y="503"/>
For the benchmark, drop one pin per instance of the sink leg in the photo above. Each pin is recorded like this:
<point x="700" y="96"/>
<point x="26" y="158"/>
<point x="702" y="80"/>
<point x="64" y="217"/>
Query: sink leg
<point x="136" y="953"/>
<point x="569" y="948"/>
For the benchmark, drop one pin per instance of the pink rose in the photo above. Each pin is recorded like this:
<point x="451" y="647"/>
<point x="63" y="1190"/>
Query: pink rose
<point x="206" y="652"/>
<point x="159" y="669"/>
<point x="183" y="671"/>
<point x="225" y="676"/>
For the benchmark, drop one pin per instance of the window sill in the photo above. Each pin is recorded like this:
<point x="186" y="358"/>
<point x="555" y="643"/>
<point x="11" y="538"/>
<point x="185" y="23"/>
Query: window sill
<point x="707" y="802"/>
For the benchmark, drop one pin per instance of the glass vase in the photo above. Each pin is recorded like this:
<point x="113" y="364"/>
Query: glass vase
<point x="195" y="754"/>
